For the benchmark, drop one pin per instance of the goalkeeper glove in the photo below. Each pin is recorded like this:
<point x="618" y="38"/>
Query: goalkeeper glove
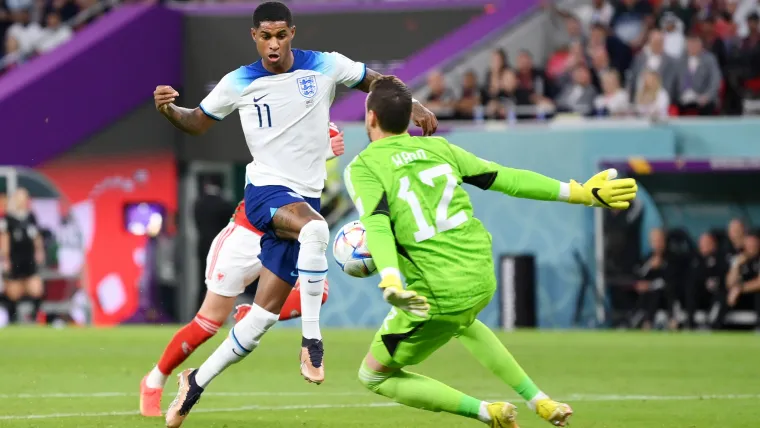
<point x="406" y="300"/>
<point x="603" y="190"/>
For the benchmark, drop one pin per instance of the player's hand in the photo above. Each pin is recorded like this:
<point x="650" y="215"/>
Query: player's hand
<point x="6" y="266"/>
<point x="337" y="145"/>
<point x="406" y="300"/>
<point x="163" y="96"/>
<point x="424" y="118"/>
<point x="604" y="190"/>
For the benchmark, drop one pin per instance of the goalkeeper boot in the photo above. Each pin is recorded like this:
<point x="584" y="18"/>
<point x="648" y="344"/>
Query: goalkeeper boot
<point x="150" y="399"/>
<point x="187" y="395"/>
<point x="503" y="415"/>
<point x="554" y="412"/>
<point x="312" y="353"/>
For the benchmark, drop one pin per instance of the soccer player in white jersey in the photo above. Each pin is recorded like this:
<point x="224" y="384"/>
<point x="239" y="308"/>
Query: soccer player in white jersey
<point x="284" y="101"/>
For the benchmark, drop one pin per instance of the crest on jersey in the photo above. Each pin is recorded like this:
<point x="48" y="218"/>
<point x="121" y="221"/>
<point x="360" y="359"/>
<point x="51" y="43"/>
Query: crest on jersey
<point x="307" y="86"/>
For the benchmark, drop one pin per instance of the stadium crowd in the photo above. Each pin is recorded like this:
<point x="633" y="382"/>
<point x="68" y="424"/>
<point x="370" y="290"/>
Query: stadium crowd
<point x="682" y="283"/>
<point x="647" y="58"/>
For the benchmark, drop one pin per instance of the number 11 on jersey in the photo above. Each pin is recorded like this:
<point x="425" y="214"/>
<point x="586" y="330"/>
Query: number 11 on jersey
<point x="261" y="118"/>
<point x="442" y="221"/>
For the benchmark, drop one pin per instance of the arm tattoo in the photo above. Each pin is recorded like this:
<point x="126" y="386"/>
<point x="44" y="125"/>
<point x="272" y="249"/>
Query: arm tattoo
<point x="369" y="77"/>
<point x="184" y="119"/>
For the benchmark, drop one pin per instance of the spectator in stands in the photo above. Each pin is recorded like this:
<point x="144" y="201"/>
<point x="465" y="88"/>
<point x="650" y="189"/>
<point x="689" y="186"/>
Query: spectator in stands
<point x="613" y="100"/>
<point x="684" y="11"/>
<point x="652" y="100"/>
<point x="469" y="96"/>
<point x="25" y="31"/>
<point x="54" y="34"/>
<point x="706" y="287"/>
<point x="600" y="64"/>
<point x="508" y="97"/>
<point x="67" y="9"/>
<point x="569" y="30"/>
<point x="712" y="41"/>
<point x="499" y="63"/>
<point x="654" y="288"/>
<point x="576" y="57"/>
<point x="749" y="50"/>
<point x="597" y="12"/>
<point x="744" y="275"/>
<point x="532" y="79"/>
<point x="736" y="234"/>
<point x="632" y="21"/>
<point x="699" y="79"/>
<point x="578" y="96"/>
<point x="674" y="39"/>
<point x="654" y="58"/>
<point x="620" y="54"/>
<point x="440" y="99"/>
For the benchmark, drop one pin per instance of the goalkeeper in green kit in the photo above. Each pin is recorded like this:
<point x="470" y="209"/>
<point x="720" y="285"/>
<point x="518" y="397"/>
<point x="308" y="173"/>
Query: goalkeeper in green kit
<point x="419" y="223"/>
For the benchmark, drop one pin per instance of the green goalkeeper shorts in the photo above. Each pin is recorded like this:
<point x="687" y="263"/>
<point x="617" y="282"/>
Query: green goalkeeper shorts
<point x="405" y="339"/>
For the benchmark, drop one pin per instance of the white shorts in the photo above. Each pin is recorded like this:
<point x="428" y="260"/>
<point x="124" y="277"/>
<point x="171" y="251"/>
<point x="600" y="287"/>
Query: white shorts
<point x="233" y="261"/>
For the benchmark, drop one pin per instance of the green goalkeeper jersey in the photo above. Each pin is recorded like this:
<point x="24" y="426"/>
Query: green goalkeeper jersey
<point x="419" y="220"/>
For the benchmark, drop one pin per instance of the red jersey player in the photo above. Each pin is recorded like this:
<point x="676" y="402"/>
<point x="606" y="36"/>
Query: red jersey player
<point x="231" y="264"/>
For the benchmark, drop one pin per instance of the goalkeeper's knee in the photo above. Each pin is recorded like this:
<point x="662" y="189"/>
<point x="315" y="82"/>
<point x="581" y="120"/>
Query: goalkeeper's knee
<point x="372" y="379"/>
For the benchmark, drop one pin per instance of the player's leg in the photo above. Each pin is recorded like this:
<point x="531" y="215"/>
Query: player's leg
<point x="291" y="309"/>
<point x="231" y="264"/>
<point x="14" y="290"/>
<point x="493" y="355"/>
<point x="244" y="338"/>
<point x="34" y="289"/>
<point x="301" y="221"/>
<point x="407" y="340"/>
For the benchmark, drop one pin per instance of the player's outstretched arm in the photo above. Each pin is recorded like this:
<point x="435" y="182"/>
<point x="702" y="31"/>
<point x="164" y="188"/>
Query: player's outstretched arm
<point x="601" y="190"/>
<point x="192" y="121"/>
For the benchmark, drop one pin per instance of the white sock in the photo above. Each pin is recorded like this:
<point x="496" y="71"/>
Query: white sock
<point x="483" y="415"/>
<point x="312" y="269"/>
<point x="533" y="401"/>
<point x="156" y="379"/>
<point x="244" y="337"/>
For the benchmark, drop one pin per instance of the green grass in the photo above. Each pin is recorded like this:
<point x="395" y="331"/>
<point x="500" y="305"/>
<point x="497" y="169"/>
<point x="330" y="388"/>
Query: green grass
<point x="615" y="380"/>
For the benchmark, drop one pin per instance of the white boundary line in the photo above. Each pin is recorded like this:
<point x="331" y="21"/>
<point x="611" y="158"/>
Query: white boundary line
<point x="571" y="398"/>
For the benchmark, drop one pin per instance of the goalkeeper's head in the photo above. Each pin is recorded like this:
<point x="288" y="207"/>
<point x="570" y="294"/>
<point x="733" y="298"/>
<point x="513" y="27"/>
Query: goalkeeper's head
<point x="389" y="108"/>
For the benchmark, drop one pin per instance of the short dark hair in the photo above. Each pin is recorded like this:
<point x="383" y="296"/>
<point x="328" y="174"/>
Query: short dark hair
<point x="272" y="11"/>
<point x="391" y="101"/>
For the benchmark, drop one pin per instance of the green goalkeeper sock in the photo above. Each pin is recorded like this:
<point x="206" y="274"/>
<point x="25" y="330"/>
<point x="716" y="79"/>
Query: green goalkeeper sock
<point x="491" y="353"/>
<point x="421" y="392"/>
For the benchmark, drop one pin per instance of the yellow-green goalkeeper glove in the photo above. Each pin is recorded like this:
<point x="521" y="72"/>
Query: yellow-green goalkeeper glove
<point x="604" y="190"/>
<point x="406" y="300"/>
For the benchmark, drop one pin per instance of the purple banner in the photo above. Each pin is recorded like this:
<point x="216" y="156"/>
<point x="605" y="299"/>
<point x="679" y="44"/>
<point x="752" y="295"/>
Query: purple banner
<point x="55" y="101"/>
<point x="338" y="6"/>
<point x="684" y="166"/>
<point x="351" y="107"/>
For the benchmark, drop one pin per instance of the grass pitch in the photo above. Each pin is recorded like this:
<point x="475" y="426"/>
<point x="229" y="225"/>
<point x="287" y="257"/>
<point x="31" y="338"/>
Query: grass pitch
<point x="89" y="378"/>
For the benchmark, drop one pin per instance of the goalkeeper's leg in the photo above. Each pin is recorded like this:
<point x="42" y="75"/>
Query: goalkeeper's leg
<point x="492" y="354"/>
<point x="405" y="340"/>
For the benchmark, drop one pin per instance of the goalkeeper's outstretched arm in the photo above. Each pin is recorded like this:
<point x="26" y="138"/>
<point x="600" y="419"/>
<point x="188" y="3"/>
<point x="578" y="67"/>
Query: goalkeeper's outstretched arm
<point x="601" y="190"/>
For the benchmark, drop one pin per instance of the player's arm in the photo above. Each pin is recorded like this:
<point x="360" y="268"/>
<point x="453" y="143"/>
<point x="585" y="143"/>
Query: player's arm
<point x="39" y="249"/>
<point x="371" y="202"/>
<point x="601" y="190"/>
<point x="733" y="278"/>
<point x="220" y="102"/>
<point x="357" y="75"/>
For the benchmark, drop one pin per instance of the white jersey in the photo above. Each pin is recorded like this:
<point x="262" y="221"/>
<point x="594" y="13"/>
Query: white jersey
<point x="285" y="116"/>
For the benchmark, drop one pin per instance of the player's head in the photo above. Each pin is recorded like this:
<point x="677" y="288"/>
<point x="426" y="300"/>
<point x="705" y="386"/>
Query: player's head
<point x="273" y="32"/>
<point x="389" y="108"/>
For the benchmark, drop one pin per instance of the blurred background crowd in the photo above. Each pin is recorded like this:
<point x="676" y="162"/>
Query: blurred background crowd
<point x="648" y="58"/>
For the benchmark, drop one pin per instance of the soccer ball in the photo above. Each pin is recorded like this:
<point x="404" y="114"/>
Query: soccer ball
<point x="351" y="253"/>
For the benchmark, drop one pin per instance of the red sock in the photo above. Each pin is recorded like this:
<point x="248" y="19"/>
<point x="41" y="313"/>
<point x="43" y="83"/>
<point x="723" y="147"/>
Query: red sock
<point x="185" y="341"/>
<point x="292" y="307"/>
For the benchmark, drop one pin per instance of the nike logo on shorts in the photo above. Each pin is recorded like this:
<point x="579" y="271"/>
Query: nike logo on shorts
<point x="294" y="273"/>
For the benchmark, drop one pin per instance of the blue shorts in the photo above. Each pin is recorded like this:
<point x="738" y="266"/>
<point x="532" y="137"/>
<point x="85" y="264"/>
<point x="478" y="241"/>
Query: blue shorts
<point x="280" y="256"/>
